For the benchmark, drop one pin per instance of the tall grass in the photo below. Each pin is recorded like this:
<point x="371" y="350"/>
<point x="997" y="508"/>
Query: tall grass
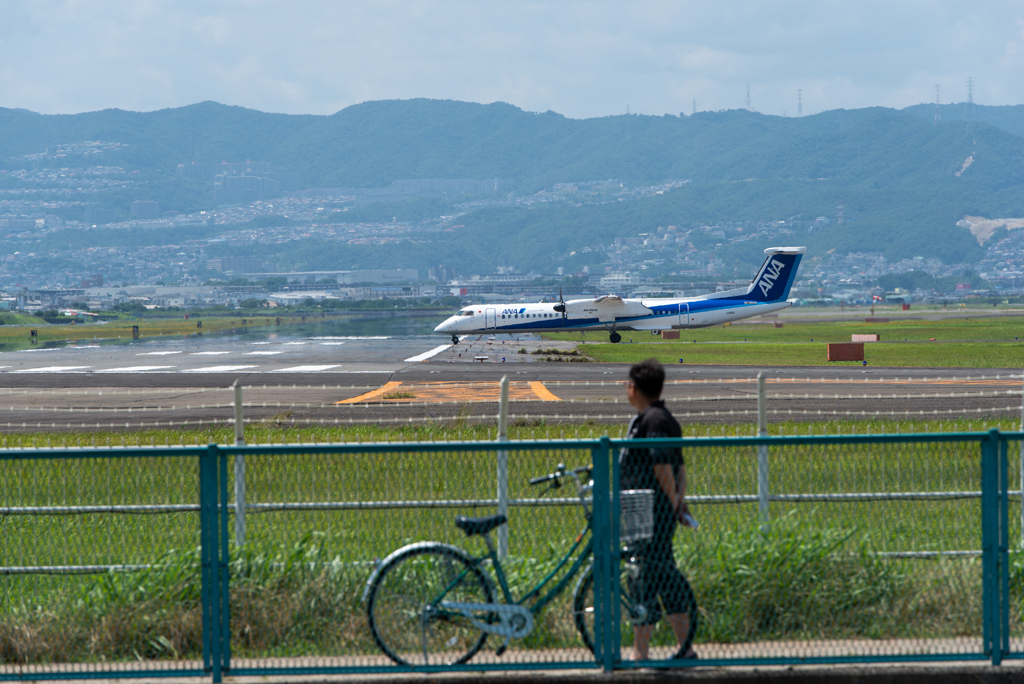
<point x="150" y="614"/>
<point x="790" y="583"/>
<point x="795" y="582"/>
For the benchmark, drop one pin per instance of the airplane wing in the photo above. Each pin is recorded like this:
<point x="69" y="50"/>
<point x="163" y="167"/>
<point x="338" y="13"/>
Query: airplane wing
<point x="606" y="308"/>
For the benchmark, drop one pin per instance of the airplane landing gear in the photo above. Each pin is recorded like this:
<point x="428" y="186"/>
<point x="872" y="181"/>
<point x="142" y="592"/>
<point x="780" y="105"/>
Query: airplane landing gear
<point x="615" y="338"/>
<point x="455" y="339"/>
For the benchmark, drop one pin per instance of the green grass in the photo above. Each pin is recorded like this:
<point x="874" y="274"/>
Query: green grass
<point x="958" y="343"/>
<point x="921" y="354"/>
<point x="16" y="334"/>
<point x="813" y="576"/>
<point x="20" y="319"/>
<point x="760" y="330"/>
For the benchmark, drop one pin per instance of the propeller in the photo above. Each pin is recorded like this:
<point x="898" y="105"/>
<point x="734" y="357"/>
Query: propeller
<point x="560" y="307"/>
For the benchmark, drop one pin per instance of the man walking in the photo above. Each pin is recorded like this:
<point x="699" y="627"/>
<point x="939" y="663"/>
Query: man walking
<point x="663" y="471"/>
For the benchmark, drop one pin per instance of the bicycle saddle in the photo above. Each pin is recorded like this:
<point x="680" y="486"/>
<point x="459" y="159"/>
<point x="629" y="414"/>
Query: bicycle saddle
<point x="473" y="526"/>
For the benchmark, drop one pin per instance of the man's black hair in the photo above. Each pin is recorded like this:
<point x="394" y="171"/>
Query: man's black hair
<point x="648" y="377"/>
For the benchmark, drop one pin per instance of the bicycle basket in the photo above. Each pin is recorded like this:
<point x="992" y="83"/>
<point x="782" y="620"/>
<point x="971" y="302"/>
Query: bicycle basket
<point x="636" y="519"/>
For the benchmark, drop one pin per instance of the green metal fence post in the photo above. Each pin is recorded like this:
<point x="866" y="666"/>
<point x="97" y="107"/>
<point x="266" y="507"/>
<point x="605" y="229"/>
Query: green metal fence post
<point x="209" y="528"/>
<point x="224" y="564"/>
<point x="602" y="557"/>
<point x="204" y="564"/>
<point x="615" y="562"/>
<point x="990" y="534"/>
<point x="1004" y="546"/>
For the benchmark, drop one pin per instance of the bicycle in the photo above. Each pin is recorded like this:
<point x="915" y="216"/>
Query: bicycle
<point x="431" y="603"/>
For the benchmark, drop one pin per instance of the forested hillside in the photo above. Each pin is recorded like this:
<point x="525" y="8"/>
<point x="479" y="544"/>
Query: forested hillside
<point x="901" y="178"/>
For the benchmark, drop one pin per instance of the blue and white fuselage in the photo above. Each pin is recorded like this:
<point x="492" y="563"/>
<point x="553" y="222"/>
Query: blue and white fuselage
<point x="768" y="292"/>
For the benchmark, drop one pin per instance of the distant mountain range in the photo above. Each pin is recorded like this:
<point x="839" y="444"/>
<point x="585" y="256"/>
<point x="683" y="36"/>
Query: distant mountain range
<point x="904" y="181"/>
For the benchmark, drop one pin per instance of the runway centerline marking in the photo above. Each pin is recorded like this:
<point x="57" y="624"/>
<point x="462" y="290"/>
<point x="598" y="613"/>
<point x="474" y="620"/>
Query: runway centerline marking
<point x="428" y="354"/>
<point x="52" y="369"/>
<point x="216" y="369"/>
<point x="471" y="392"/>
<point x="305" y="369"/>
<point x="134" y="369"/>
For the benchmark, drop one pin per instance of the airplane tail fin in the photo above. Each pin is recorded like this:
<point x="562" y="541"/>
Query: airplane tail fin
<point x="775" y="279"/>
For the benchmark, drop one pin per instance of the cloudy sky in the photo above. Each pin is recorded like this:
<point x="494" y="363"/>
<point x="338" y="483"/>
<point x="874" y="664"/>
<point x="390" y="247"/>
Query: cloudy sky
<point x="582" y="59"/>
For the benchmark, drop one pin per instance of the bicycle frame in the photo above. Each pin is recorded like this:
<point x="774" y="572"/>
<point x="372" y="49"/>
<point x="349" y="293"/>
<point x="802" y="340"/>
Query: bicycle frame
<point x="542" y="600"/>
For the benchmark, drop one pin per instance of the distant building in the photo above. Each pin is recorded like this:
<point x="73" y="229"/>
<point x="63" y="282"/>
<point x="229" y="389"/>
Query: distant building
<point x="99" y="216"/>
<point x="22" y="224"/>
<point x="345" y="277"/>
<point x="272" y="182"/>
<point x="95" y="280"/>
<point x="619" y="281"/>
<point x="145" y="209"/>
<point x="208" y="172"/>
<point x="454" y="186"/>
<point x="239" y="265"/>
<point x="442" y="274"/>
<point x="33" y="300"/>
<point x="244" y="189"/>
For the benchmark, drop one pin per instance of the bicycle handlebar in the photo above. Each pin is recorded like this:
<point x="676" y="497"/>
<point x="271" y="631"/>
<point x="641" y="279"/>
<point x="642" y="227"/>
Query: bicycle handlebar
<point x="560" y="473"/>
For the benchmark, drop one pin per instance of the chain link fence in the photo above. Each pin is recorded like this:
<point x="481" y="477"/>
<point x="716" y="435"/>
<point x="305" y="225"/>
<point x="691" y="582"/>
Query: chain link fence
<point x="99" y="564"/>
<point x="386" y="557"/>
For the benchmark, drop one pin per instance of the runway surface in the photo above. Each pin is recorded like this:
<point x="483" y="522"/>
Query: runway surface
<point x="382" y="379"/>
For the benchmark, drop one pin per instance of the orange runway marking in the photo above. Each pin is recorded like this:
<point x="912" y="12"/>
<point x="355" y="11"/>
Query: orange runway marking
<point x="452" y="391"/>
<point x="374" y="394"/>
<point x="540" y="390"/>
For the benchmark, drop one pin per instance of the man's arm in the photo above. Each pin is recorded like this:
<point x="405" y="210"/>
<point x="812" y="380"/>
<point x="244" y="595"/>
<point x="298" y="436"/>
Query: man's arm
<point x="674" y="487"/>
<point x="668" y="484"/>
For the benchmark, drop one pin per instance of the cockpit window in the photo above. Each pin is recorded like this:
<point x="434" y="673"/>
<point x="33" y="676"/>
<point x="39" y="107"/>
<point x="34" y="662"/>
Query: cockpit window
<point x="467" y="312"/>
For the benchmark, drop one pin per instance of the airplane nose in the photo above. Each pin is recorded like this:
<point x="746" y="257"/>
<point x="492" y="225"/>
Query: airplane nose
<point x="442" y="328"/>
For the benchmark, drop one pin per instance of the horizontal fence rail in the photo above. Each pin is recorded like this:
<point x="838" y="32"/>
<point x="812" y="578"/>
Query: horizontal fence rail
<point x="478" y="418"/>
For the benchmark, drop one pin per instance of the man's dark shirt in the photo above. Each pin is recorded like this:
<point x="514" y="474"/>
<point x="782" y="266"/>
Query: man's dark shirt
<point x="637" y="468"/>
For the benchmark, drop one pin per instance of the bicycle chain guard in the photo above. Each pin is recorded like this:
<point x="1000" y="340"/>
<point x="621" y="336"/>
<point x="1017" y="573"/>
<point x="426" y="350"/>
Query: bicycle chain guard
<point x="515" y="622"/>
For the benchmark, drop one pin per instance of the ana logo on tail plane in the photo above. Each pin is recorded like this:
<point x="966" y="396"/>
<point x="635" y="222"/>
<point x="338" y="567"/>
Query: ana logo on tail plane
<point x="771" y="274"/>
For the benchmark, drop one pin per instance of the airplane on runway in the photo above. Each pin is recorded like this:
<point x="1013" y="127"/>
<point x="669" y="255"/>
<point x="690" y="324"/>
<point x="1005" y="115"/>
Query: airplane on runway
<point x="768" y="292"/>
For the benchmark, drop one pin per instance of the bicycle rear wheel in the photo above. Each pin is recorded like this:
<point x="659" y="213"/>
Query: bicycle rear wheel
<point x="403" y="606"/>
<point x="663" y="642"/>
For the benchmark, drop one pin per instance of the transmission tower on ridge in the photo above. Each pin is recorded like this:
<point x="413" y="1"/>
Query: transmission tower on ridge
<point x="799" y="101"/>
<point x="938" y="100"/>
<point x="839" y="216"/>
<point x="970" y="98"/>
<point x="748" y="97"/>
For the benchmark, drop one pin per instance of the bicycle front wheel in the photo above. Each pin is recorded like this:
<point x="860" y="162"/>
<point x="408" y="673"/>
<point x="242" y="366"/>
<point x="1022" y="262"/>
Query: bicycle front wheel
<point x="663" y="643"/>
<point x="404" y="606"/>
